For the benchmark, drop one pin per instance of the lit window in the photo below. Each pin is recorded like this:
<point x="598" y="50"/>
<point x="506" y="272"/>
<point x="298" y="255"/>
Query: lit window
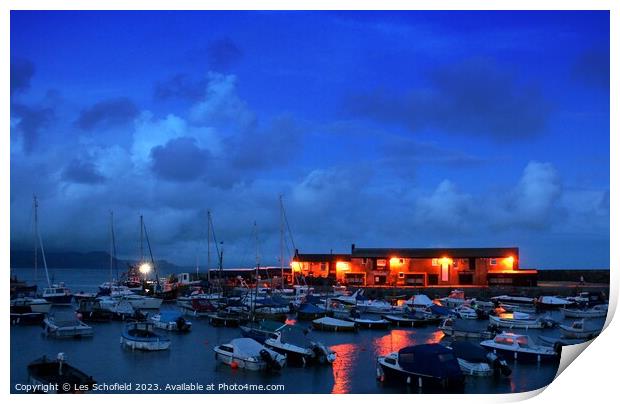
<point x="435" y="262"/>
<point x="401" y="275"/>
<point x="493" y="261"/>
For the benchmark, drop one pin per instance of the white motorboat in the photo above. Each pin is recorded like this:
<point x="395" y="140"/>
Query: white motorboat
<point x="597" y="311"/>
<point x="520" y="320"/>
<point x="170" y="321"/>
<point x="519" y="347"/>
<point x="460" y="328"/>
<point x="293" y="342"/>
<point x="520" y="300"/>
<point x="419" y="302"/>
<point x="35" y="305"/>
<point x="466" y="312"/>
<point x="333" y="324"/>
<point x="139" y="302"/>
<point x="455" y="299"/>
<point x="476" y="361"/>
<point x="579" y="329"/>
<point x="552" y="302"/>
<point x="248" y="354"/>
<point x="66" y="325"/>
<point x="374" y="306"/>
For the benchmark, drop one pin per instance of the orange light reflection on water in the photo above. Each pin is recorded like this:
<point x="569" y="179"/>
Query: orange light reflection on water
<point x="345" y="359"/>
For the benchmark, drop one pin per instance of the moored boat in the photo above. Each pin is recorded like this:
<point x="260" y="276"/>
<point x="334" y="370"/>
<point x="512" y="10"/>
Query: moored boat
<point x="293" y="342"/>
<point x="140" y="335"/>
<point x="459" y="328"/>
<point x="370" y="323"/>
<point x="45" y="372"/>
<point x="455" y="299"/>
<point x="552" y="302"/>
<point x="248" y="354"/>
<point x="597" y="311"/>
<point x="310" y="311"/>
<point x="519" y="347"/>
<point x="57" y="295"/>
<point x="579" y="329"/>
<point x="422" y="366"/>
<point x="90" y="310"/>
<point x="476" y="361"/>
<point x="520" y="320"/>
<point x="333" y="324"/>
<point x="261" y="331"/>
<point x="66" y="325"/>
<point x="30" y="304"/>
<point x="170" y="321"/>
<point x="228" y="318"/>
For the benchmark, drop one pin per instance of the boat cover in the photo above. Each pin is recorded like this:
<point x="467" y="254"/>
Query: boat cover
<point x="469" y="351"/>
<point x="433" y="360"/>
<point x="422" y="300"/>
<point x="334" y="322"/>
<point x="169" y="316"/>
<point x="295" y="335"/>
<point x="440" y="310"/>
<point x="309" y="308"/>
<point x="465" y="325"/>
<point x="246" y="347"/>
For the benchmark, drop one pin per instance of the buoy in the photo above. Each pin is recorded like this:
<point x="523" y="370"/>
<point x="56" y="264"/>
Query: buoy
<point x="234" y="365"/>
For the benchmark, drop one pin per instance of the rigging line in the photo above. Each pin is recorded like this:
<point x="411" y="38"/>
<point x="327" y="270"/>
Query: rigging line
<point x="288" y="227"/>
<point x="148" y="244"/>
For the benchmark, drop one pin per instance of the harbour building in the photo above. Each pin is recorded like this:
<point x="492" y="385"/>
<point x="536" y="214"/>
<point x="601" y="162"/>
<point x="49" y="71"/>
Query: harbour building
<point x="418" y="267"/>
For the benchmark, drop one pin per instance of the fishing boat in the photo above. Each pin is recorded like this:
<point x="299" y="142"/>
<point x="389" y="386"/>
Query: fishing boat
<point x="508" y="299"/>
<point x="579" y="329"/>
<point x="199" y="307"/>
<point x="262" y="331"/>
<point x="310" y="311"/>
<point x="66" y="325"/>
<point x="374" y="306"/>
<point x="45" y="372"/>
<point x="90" y="310"/>
<point x="459" y="328"/>
<point x="293" y="342"/>
<point x="248" y="354"/>
<point x="597" y="311"/>
<point x="140" y="335"/>
<point x="333" y="324"/>
<point x="520" y="320"/>
<point x="519" y="347"/>
<point x="552" y="302"/>
<point x="170" y="321"/>
<point x="57" y="294"/>
<point x="419" y="302"/>
<point x="510" y="308"/>
<point x="476" y="361"/>
<point x="422" y="366"/>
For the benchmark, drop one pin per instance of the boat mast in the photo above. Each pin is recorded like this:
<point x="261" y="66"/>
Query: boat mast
<point x="141" y="239"/>
<point x="35" y="205"/>
<point x="111" y="246"/>
<point x="38" y="236"/>
<point x="281" y="243"/>
<point x="209" y="247"/>
<point x="256" y="274"/>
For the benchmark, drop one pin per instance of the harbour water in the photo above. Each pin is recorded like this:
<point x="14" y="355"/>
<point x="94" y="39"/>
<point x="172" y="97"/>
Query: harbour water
<point x="191" y="358"/>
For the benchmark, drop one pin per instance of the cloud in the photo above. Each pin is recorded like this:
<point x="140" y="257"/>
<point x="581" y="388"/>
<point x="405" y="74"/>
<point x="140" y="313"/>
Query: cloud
<point x="21" y="73"/>
<point x="222" y="54"/>
<point x="107" y="113"/>
<point x="30" y="122"/>
<point x="82" y="172"/>
<point x="592" y="68"/>
<point x="179" y="160"/>
<point x="475" y="97"/>
<point x="180" y="86"/>
<point x="446" y="209"/>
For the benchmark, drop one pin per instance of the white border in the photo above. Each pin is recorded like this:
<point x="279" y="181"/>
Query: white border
<point x="591" y="378"/>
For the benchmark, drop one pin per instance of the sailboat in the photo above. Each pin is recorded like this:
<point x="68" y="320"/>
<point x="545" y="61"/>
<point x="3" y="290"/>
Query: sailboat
<point x="56" y="294"/>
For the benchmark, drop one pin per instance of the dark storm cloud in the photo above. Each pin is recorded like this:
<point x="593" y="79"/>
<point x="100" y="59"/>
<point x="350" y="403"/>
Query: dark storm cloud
<point x="21" y="73"/>
<point x="32" y="120"/>
<point x="223" y="53"/>
<point x="179" y="160"/>
<point x="592" y="68"/>
<point x="108" y="113"/>
<point x="180" y="86"/>
<point x="82" y="172"/>
<point x="474" y="97"/>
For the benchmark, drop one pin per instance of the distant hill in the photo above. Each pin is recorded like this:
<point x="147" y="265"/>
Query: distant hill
<point x="92" y="260"/>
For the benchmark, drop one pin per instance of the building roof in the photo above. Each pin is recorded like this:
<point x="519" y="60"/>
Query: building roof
<point x="322" y="257"/>
<point x="435" y="252"/>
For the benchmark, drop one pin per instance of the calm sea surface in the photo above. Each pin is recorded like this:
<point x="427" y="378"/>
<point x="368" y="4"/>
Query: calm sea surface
<point x="191" y="357"/>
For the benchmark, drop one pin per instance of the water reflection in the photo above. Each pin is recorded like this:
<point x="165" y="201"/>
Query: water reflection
<point x="346" y="355"/>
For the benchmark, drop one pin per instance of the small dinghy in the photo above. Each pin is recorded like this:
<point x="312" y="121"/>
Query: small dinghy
<point x="459" y="328"/>
<point x="333" y="324"/>
<point x="579" y="329"/>
<point x="45" y="372"/>
<point x="140" y="335"/>
<point x="370" y="323"/>
<point x="519" y="347"/>
<point x="422" y="366"/>
<point x="261" y="331"/>
<point x="597" y="311"/>
<point x="248" y="354"/>
<point x="520" y="320"/>
<point x="416" y="318"/>
<point x="66" y="325"/>
<point x="170" y="321"/>
<point x="293" y="342"/>
<point x="476" y="361"/>
<point x="518" y="300"/>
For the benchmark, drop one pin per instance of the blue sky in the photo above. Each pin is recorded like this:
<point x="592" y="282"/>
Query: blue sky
<point x="378" y="128"/>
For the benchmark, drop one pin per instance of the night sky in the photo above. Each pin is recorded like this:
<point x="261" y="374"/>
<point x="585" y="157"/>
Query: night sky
<point x="384" y="129"/>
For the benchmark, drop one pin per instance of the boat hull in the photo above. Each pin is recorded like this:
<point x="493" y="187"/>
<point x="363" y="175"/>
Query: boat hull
<point x="143" y="345"/>
<point x="393" y="375"/>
